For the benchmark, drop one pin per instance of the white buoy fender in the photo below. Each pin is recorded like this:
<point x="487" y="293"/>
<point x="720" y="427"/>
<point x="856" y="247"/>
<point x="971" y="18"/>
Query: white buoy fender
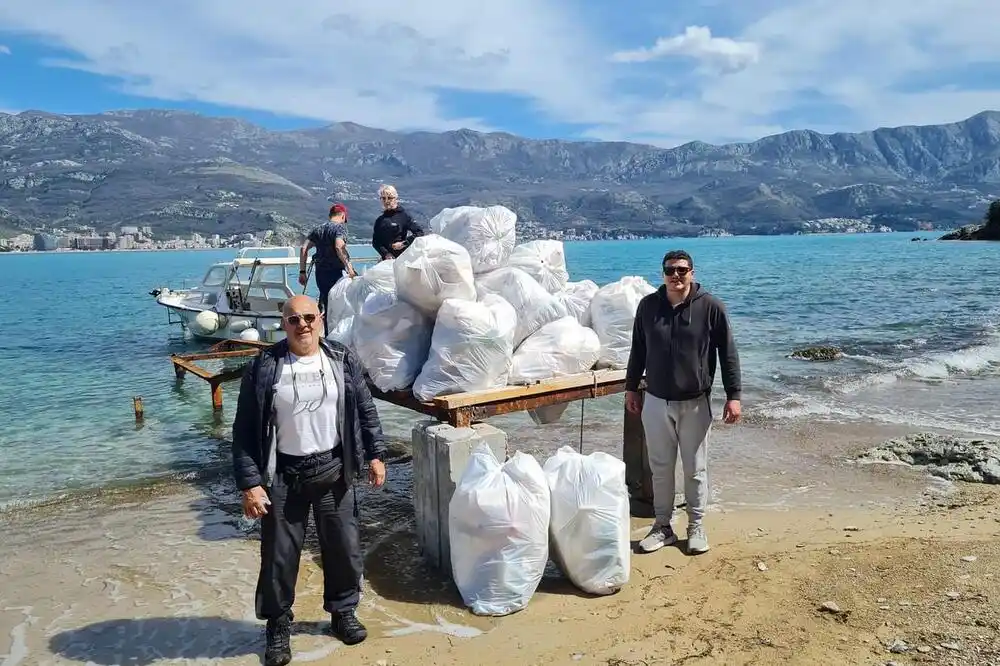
<point x="205" y="322"/>
<point x="250" y="335"/>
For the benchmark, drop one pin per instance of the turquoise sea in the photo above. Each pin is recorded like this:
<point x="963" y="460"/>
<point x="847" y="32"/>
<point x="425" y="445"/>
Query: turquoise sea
<point x="918" y="322"/>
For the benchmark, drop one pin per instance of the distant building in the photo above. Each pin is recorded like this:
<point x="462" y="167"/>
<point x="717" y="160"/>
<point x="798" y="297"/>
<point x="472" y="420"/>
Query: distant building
<point x="90" y="243"/>
<point x="129" y="231"/>
<point x="45" y="242"/>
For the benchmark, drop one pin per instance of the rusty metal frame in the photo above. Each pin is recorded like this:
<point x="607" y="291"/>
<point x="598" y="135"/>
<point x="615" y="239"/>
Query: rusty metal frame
<point x="185" y="363"/>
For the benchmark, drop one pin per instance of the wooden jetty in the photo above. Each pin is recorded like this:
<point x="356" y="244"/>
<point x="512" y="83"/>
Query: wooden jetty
<point x="462" y="410"/>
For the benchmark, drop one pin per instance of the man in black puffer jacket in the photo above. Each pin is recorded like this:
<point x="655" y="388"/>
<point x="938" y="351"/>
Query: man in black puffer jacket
<point x="305" y="425"/>
<point x="394" y="229"/>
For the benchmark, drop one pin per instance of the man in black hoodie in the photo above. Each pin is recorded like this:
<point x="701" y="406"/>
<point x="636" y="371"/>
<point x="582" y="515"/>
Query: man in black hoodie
<point x="394" y="228"/>
<point x="678" y="332"/>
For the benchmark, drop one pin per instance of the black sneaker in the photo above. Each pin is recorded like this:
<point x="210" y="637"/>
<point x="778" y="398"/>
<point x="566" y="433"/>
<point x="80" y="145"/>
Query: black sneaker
<point x="348" y="628"/>
<point x="278" y="651"/>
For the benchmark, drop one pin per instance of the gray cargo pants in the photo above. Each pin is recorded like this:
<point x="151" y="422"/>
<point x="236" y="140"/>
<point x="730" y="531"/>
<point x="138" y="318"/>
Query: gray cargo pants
<point x="671" y="426"/>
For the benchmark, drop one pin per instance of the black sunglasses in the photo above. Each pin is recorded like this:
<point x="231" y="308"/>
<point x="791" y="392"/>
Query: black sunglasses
<point x="295" y="319"/>
<point x="678" y="270"/>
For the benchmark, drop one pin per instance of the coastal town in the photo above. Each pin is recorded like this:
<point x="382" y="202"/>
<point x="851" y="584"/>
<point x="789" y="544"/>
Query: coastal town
<point x="127" y="238"/>
<point x="132" y="238"/>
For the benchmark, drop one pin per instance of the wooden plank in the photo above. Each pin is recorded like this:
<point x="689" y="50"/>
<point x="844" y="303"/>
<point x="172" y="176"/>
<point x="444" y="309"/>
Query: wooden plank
<point x="583" y="380"/>
<point x="509" y="406"/>
<point x="210" y="355"/>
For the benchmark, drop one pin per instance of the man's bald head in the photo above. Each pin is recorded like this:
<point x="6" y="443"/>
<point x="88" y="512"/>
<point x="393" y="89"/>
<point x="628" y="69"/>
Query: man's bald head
<point x="300" y="304"/>
<point x="302" y="324"/>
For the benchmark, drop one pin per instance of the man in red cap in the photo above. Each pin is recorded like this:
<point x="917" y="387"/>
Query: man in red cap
<point x="332" y="260"/>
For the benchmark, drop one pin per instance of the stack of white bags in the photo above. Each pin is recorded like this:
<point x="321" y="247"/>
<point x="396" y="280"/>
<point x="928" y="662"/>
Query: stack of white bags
<point x="466" y="309"/>
<point x="505" y="519"/>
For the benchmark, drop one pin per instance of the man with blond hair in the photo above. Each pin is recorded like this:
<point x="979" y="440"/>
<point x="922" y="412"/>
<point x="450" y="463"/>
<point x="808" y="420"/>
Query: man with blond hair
<point x="305" y="427"/>
<point x="394" y="228"/>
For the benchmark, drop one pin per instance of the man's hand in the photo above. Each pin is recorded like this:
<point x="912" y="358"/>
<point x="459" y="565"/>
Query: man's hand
<point x="376" y="473"/>
<point x="633" y="402"/>
<point x="351" y="273"/>
<point x="397" y="245"/>
<point x="731" y="412"/>
<point x="303" y="278"/>
<point x="255" y="502"/>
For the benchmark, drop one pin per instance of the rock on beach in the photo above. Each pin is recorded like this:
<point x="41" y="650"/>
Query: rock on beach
<point x="953" y="458"/>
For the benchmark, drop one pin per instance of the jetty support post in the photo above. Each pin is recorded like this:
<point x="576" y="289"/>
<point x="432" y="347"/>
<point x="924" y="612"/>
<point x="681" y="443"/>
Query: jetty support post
<point x="638" y="476"/>
<point x="440" y="453"/>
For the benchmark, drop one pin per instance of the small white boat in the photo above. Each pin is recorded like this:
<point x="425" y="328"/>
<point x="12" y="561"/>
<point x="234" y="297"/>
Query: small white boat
<point x="242" y="298"/>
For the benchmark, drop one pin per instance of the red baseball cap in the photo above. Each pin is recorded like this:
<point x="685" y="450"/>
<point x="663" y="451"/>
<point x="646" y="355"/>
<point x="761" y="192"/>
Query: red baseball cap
<point x="338" y="208"/>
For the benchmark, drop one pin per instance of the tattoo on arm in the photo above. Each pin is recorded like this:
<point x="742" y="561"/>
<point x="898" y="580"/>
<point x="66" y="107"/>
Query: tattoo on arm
<point x="345" y="257"/>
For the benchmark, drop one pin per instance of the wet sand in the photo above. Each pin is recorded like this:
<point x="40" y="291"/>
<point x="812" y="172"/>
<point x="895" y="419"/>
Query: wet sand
<point x="168" y="574"/>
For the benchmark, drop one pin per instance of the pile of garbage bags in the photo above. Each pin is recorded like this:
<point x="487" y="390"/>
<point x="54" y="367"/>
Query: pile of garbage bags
<point x="465" y="308"/>
<point x="505" y="519"/>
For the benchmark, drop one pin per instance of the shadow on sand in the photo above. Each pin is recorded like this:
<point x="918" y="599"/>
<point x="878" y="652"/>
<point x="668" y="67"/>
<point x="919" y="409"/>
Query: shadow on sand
<point x="147" y="641"/>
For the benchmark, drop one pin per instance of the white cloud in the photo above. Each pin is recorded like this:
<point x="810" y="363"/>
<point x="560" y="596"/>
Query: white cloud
<point x="831" y="65"/>
<point x="720" y="53"/>
<point x="4" y="50"/>
<point x="387" y="63"/>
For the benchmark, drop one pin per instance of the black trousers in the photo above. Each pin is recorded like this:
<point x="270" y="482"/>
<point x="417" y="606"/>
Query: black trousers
<point x="283" y="531"/>
<point x="325" y="279"/>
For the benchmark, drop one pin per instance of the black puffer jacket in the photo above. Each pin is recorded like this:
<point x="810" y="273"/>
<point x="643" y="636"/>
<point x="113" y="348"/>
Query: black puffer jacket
<point x="394" y="226"/>
<point x="254" y="445"/>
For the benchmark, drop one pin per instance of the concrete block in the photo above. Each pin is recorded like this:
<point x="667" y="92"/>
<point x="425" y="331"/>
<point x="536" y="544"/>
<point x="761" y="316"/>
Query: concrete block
<point x="440" y="454"/>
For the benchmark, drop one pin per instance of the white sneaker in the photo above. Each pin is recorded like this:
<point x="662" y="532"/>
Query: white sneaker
<point x="658" y="537"/>
<point x="697" y="540"/>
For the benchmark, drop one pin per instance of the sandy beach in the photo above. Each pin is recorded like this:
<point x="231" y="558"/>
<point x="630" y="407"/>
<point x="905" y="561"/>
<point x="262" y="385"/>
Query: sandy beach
<point x="166" y="574"/>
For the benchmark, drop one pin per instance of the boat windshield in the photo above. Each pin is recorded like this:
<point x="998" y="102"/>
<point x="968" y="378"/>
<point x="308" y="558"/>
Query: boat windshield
<point x="216" y="276"/>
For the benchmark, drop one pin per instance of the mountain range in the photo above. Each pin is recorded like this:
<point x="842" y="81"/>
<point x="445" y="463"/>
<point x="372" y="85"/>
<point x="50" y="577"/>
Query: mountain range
<point x="180" y="172"/>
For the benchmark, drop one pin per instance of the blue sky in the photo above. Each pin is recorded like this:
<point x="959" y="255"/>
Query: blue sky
<point x="652" y="71"/>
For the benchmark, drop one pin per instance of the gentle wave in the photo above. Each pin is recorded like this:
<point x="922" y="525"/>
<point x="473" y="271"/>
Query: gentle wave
<point x="974" y="360"/>
<point x="797" y="407"/>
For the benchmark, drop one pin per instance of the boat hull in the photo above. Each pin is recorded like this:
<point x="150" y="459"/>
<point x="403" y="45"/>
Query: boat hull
<point x="210" y="325"/>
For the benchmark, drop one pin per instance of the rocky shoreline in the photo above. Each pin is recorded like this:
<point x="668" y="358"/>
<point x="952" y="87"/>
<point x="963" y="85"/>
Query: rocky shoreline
<point x="944" y="456"/>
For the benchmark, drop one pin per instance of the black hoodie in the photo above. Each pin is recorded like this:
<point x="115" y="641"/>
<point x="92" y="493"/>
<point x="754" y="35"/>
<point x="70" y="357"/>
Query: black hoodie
<point x="676" y="347"/>
<point x="394" y="226"/>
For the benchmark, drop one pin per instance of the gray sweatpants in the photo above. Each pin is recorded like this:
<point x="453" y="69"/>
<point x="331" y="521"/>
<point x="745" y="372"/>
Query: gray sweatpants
<point x="669" y="426"/>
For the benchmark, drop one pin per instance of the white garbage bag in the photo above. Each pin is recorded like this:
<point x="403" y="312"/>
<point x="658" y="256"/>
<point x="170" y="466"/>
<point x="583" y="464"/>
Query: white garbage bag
<point x="392" y="338"/>
<point x="535" y="307"/>
<point x="589" y="525"/>
<point x="432" y="269"/>
<point x="379" y="279"/>
<point x="577" y="296"/>
<point x="340" y="312"/>
<point x="498" y="525"/>
<point x="342" y="330"/>
<point x="543" y="260"/>
<point x="488" y="234"/>
<point x="613" y="312"/>
<point x="562" y="347"/>
<point x="471" y="347"/>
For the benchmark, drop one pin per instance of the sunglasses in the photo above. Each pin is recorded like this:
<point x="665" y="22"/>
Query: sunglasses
<point x="676" y="270"/>
<point x="295" y="319"/>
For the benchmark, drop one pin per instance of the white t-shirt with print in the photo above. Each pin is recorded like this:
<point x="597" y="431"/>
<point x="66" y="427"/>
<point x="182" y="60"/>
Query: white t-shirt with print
<point x="305" y="413"/>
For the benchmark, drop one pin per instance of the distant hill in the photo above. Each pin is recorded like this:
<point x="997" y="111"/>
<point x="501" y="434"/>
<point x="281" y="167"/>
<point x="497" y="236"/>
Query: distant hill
<point x="181" y="172"/>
